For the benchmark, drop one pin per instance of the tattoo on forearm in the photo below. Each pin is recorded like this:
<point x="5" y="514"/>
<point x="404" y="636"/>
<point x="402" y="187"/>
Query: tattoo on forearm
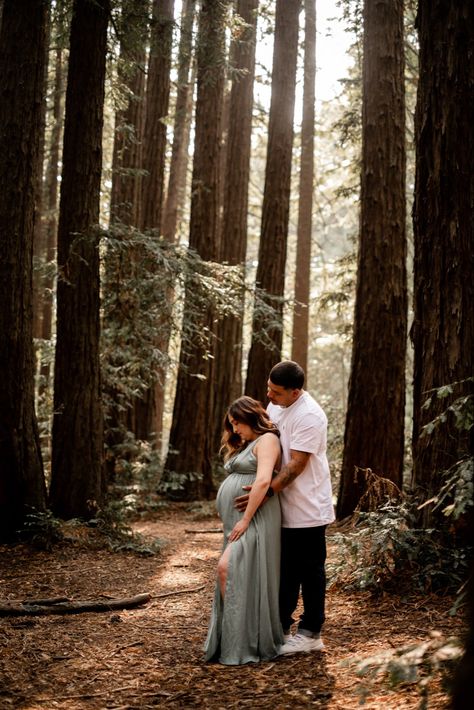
<point x="287" y="475"/>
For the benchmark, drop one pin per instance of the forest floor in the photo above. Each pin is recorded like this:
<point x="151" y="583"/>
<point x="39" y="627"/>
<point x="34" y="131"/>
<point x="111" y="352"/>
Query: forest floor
<point x="151" y="656"/>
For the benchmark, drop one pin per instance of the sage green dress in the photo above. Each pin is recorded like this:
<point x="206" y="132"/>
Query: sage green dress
<point x="245" y="626"/>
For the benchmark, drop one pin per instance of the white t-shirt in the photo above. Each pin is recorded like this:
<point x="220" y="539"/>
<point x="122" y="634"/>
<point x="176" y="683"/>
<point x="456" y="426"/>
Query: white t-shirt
<point x="307" y="502"/>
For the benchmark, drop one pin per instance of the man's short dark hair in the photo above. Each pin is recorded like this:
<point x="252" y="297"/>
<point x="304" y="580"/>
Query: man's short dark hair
<point x="288" y="374"/>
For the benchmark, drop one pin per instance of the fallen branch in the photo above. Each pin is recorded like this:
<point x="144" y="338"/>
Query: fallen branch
<point x="27" y="608"/>
<point x="40" y="602"/>
<point x="179" y="591"/>
<point x="195" y="532"/>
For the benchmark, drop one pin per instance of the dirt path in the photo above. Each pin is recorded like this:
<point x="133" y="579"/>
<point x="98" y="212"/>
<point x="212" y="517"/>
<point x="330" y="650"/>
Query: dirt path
<point x="152" y="656"/>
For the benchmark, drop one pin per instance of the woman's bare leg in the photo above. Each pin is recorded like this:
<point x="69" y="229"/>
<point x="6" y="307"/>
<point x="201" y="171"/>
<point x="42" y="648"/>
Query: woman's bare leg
<point x="222" y="569"/>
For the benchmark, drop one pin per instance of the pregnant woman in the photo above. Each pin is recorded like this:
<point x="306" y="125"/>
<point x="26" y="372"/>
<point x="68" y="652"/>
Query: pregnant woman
<point x="245" y="624"/>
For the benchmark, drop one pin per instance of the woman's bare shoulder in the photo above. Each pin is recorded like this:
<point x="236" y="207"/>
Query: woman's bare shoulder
<point x="268" y="442"/>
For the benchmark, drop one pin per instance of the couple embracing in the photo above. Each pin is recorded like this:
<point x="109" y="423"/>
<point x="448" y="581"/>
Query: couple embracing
<point x="274" y="535"/>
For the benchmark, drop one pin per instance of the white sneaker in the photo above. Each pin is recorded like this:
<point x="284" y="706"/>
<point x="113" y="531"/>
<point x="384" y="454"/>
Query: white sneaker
<point x="301" y="644"/>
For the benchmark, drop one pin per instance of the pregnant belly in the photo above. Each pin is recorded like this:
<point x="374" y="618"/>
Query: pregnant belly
<point x="230" y="488"/>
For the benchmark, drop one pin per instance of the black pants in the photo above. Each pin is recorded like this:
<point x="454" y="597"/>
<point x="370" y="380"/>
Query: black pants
<point x="303" y="554"/>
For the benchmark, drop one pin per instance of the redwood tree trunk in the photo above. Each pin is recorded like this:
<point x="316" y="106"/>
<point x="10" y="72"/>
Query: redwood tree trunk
<point x="124" y="201"/>
<point x="228" y="354"/>
<point x="374" y="432"/>
<point x="276" y="200"/>
<point x="182" y="124"/>
<point x="299" y="351"/>
<point x="39" y="238"/>
<point x="176" y="184"/>
<point x="22" y="61"/>
<point x="51" y="221"/>
<point x="190" y="448"/>
<point x="157" y="99"/>
<point x="443" y="329"/>
<point x="154" y="153"/>
<point x="77" y="484"/>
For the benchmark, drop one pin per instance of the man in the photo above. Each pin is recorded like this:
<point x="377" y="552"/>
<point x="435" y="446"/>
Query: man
<point x="304" y="486"/>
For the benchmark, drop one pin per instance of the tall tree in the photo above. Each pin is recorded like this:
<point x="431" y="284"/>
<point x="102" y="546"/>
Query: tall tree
<point x="39" y="239"/>
<point x="189" y="448"/>
<point x="124" y="201"/>
<point x="374" y="432"/>
<point x="182" y="125"/>
<point x="299" y="347"/>
<point x="125" y="205"/>
<point x="51" y="200"/>
<point x="175" y="196"/>
<point x="265" y="352"/>
<point x="153" y="155"/>
<point x="157" y="99"/>
<point x="77" y="482"/>
<point x="22" y="62"/>
<point x="228" y="354"/>
<point x="443" y="328"/>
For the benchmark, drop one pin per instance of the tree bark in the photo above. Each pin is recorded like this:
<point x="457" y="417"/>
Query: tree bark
<point x="77" y="482"/>
<point x="182" y="125"/>
<point x="125" y="192"/>
<point x="276" y="201"/>
<point x="125" y="204"/>
<point x="51" y="220"/>
<point x="299" y="352"/>
<point x="443" y="327"/>
<point x="22" y="60"/>
<point x="374" y="432"/>
<point x="157" y="99"/>
<point x="228" y="353"/>
<point x="189" y="448"/>
<point x="154" y="153"/>
<point x="177" y="183"/>
<point x="39" y="238"/>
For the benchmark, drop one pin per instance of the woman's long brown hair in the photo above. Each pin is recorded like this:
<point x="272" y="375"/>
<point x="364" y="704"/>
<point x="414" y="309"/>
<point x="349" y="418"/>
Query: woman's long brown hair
<point x="247" y="411"/>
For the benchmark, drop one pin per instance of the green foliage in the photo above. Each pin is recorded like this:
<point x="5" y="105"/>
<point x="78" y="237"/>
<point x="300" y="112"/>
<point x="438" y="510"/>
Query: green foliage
<point x="456" y="495"/>
<point x="109" y="528"/>
<point x="415" y="664"/>
<point x="384" y="551"/>
<point x="136" y="463"/>
<point x="177" y="486"/>
<point x="462" y="408"/>
<point x="336" y="305"/>
<point x="352" y="11"/>
<point x="42" y="529"/>
<point x="111" y="522"/>
<point x="145" y="280"/>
